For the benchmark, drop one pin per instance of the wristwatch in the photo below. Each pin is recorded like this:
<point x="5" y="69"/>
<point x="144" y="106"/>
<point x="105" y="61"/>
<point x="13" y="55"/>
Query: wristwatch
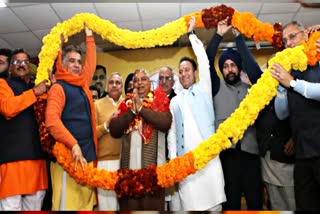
<point x="292" y="83"/>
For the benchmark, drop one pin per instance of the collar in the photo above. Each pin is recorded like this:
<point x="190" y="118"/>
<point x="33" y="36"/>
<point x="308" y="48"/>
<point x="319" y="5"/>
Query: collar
<point x="114" y="103"/>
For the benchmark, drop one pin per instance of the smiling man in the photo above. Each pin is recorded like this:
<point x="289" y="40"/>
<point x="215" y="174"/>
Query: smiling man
<point x="193" y="122"/>
<point x="70" y="120"/>
<point x="23" y="171"/>
<point x="142" y="122"/>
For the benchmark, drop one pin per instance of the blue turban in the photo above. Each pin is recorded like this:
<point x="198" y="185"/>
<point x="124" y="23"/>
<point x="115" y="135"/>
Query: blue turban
<point x="232" y="55"/>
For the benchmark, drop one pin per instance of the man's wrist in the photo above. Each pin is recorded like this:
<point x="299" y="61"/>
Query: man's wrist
<point x="74" y="146"/>
<point x="191" y="32"/>
<point x="34" y="91"/>
<point x="292" y="83"/>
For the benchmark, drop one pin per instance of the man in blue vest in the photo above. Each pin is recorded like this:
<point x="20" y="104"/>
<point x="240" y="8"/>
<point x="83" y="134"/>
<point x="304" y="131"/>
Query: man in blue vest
<point x="70" y="119"/>
<point x="299" y="99"/>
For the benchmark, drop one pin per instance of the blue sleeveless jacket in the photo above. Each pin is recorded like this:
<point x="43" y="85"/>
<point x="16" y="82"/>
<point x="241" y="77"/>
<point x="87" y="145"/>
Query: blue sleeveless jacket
<point x="77" y="119"/>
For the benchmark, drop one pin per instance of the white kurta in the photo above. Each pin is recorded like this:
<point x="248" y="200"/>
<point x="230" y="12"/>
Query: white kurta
<point x="136" y="150"/>
<point x="205" y="189"/>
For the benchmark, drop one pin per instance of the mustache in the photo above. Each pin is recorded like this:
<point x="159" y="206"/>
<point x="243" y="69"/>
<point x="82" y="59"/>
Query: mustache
<point x="98" y="84"/>
<point x="21" y="67"/>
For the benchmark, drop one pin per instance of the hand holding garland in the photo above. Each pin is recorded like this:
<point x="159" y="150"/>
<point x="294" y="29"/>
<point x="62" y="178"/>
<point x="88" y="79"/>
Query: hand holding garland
<point x="312" y="29"/>
<point x="78" y="157"/>
<point x="223" y="26"/>
<point x="280" y="74"/>
<point x="318" y="45"/>
<point x="192" y="24"/>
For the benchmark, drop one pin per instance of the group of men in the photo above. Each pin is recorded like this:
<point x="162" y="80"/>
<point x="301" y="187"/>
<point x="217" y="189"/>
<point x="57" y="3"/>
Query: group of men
<point x="152" y="126"/>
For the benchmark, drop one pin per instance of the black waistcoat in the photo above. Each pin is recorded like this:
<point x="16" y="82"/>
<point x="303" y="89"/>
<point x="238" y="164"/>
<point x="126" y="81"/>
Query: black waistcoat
<point x="305" y="117"/>
<point x="19" y="135"/>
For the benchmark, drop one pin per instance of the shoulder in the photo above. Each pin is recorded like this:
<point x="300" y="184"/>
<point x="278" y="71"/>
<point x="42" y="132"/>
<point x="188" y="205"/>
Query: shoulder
<point x="101" y="102"/>
<point x="174" y="100"/>
<point x="3" y="82"/>
<point x="56" y="90"/>
<point x="56" y="87"/>
<point x="245" y="85"/>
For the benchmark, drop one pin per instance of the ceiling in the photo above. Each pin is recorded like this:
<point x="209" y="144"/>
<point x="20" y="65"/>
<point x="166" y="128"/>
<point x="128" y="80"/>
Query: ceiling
<point x="23" y="25"/>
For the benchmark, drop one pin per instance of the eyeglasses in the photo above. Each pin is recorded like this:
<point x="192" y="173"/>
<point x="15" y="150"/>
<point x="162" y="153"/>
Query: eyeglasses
<point x="291" y="36"/>
<point x="21" y="62"/>
<point x="100" y="77"/>
<point x="161" y="78"/>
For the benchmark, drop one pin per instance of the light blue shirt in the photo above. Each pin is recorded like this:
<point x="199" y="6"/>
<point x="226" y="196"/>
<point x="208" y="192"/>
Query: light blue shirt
<point x="307" y="89"/>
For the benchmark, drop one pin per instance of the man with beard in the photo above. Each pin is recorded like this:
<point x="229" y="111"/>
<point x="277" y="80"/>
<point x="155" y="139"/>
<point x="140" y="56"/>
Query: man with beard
<point x="99" y="80"/>
<point x="23" y="171"/>
<point x="240" y="163"/>
<point x="5" y="55"/>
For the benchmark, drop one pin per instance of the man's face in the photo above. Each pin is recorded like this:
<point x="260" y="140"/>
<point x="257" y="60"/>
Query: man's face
<point x="141" y="83"/>
<point x="4" y="65"/>
<point x="94" y="94"/>
<point x="130" y="87"/>
<point x="231" y="72"/>
<point x="166" y="80"/>
<point x="187" y="76"/>
<point x="20" y="65"/>
<point x="72" y="63"/>
<point x="115" y="87"/>
<point x="99" y="80"/>
<point x="292" y="36"/>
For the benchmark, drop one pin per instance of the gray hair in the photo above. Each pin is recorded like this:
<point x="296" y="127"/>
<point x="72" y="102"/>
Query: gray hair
<point x="115" y="73"/>
<point x="166" y="68"/>
<point x="68" y="49"/>
<point x="295" y="23"/>
<point x="138" y="70"/>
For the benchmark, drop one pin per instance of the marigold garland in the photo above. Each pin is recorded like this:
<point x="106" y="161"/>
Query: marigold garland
<point x="136" y="183"/>
<point x="211" y="16"/>
<point x="46" y="140"/>
<point x="230" y="131"/>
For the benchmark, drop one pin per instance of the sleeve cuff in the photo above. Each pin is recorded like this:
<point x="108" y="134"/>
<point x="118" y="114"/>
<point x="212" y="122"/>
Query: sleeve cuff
<point x="191" y="33"/>
<point x="300" y="87"/>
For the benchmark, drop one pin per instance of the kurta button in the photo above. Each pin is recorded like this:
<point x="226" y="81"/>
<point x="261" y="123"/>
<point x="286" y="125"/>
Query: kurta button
<point x="182" y="136"/>
<point x="182" y="146"/>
